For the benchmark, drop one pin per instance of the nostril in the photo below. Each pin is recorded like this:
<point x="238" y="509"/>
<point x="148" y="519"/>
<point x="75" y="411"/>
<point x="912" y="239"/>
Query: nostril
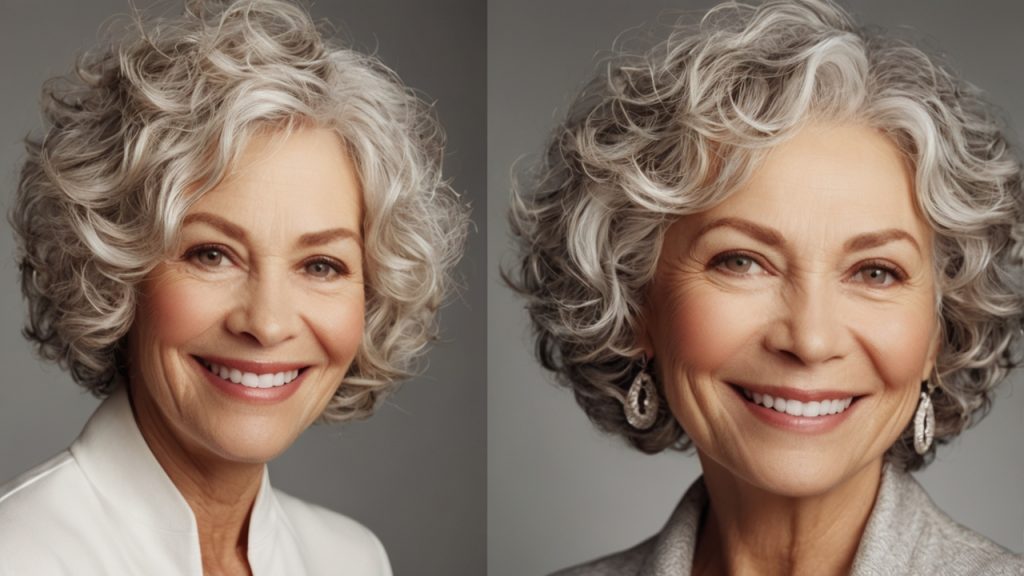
<point x="792" y="356"/>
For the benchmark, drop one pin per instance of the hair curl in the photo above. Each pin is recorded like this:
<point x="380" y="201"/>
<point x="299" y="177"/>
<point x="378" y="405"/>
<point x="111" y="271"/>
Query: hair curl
<point x="146" y="126"/>
<point x="675" y="130"/>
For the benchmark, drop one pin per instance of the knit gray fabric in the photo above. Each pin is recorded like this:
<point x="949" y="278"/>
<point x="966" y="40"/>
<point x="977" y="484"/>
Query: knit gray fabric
<point x="906" y="534"/>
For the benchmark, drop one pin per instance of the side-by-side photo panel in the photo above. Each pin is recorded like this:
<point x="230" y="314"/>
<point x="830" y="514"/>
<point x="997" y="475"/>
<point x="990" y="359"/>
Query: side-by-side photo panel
<point x="244" y="288"/>
<point x="755" y="289"/>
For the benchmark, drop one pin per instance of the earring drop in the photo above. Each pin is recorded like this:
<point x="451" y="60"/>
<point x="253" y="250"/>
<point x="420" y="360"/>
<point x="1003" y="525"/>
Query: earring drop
<point x="641" y="406"/>
<point x="924" y="422"/>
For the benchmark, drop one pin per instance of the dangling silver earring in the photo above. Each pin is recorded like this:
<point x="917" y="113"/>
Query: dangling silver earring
<point x="641" y="406"/>
<point x="924" y="421"/>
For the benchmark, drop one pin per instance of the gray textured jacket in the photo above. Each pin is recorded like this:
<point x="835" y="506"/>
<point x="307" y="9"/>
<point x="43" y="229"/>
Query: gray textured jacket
<point x="906" y="534"/>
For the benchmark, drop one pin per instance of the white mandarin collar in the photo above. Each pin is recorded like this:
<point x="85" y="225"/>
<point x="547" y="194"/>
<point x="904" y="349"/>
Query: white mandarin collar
<point x="107" y="507"/>
<point x="119" y="464"/>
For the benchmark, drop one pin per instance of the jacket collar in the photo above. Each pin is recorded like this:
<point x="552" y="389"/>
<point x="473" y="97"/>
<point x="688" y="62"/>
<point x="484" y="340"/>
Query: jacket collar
<point x="128" y="479"/>
<point x="672" y="550"/>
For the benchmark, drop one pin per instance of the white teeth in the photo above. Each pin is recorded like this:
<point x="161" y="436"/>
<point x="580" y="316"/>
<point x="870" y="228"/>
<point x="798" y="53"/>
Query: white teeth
<point x="250" y="379"/>
<point x="813" y="409"/>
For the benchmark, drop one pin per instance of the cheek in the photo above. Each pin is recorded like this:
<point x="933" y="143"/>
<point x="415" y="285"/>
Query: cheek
<point x="898" y="341"/>
<point x="338" y="324"/>
<point x="702" y="328"/>
<point x="178" y="310"/>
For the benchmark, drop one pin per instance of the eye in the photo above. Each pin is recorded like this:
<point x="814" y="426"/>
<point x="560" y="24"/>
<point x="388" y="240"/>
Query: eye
<point x="737" y="263"/>
<point x="208" y="256"/>
<point x="878" y="275"/>
<point x="325" y="268"/>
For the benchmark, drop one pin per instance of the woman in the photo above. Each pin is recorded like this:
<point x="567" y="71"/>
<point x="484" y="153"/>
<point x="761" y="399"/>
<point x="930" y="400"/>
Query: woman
<point x="230" y="230"/>
<point x="795" y="247"/>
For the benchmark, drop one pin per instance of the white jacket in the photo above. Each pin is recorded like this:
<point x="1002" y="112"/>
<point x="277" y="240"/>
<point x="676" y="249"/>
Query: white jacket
<point x="105" y="506"/>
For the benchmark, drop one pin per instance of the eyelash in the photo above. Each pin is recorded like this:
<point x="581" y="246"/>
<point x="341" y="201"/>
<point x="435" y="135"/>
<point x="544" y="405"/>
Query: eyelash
<point x="338" y="267"/>
<point x="192" y="253"/>
<point x="719" y="261"/>
<point x="897" y="275"/>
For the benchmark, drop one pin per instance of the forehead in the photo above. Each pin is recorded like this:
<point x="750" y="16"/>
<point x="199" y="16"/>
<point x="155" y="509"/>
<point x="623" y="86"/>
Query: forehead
<point x="832" y="181"/>
<point x="302" y="180"/>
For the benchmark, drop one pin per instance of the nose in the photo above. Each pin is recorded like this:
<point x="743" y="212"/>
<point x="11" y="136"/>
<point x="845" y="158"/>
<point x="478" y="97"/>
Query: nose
<point x="809" y="328"/>
<point x="265" y="311"/>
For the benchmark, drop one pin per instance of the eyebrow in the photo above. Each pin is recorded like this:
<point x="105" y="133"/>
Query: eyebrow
<point x="773" y="237"/>
<point x="876" y="239"/>
<point x="763" y="234"/>
<point x="238" y="233"/>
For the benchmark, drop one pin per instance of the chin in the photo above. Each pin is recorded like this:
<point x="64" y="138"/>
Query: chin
<point x="253" y="442"/>
<point x="793" y="473"/>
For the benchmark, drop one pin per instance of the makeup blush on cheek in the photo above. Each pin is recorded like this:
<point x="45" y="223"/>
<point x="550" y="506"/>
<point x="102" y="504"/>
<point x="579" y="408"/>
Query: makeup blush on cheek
<point x="899" y="342"/>
<point x="338" y="325"/>
<point x="181" y="307"/>
<point x="707" y="327"/>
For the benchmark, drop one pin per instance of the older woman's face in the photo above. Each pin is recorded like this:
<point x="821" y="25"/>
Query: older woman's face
<point x="245" y="332"/>
<point x="812" y="285"/>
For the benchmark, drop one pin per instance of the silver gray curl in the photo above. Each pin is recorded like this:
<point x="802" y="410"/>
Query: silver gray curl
<point x="673" y="131"/>
<point x="147" y="125"/>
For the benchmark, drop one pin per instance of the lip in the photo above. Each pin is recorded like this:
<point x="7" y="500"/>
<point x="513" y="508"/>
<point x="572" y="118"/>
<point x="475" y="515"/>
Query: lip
<point x="252" y="395"/>
<point x="803" y="424"/>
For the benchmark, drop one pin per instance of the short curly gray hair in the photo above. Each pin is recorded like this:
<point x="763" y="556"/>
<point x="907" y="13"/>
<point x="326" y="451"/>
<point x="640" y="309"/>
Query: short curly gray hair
<point x="675" y="130"/>
<point x="149" y="124"/>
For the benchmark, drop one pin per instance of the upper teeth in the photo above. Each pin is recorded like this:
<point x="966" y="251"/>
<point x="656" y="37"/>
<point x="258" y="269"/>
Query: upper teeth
<point x="251" y="379"/>
<point x="798" y="408"/>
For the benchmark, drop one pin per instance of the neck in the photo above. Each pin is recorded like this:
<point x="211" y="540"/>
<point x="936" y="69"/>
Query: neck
<point x="220" y="493"/>
<point x="747" y="530"/>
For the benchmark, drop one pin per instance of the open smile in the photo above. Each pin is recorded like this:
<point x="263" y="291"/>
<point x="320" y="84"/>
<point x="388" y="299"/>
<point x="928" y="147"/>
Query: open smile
<point x="252" y="375"/>
<point x="794" y="407"/>
<point x="251" y="379"/>
<point x="801" y="410"/>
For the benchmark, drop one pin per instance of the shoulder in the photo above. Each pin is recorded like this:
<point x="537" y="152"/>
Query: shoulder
<point x="950" y="548"/>
<point x="326" y="533"/>
<point x="625" y="563"/>
<point x="40" y="508"/>
<point x="39" y="495"/>
<point x="909" y="531"/>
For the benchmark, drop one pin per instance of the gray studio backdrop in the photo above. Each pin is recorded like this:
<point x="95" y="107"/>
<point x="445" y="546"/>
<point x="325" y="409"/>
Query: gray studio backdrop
<point x="415" y="472"/>
<point x="559" y="492"/>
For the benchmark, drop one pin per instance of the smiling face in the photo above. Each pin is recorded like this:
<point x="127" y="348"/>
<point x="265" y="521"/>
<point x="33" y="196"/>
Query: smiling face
<point x="809" y="289"/>
<point x="245" y="332"/>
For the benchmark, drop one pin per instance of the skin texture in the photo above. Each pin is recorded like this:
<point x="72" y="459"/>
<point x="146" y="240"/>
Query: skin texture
<point x="806" y="310"/>
<point x="257" y="296"/>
